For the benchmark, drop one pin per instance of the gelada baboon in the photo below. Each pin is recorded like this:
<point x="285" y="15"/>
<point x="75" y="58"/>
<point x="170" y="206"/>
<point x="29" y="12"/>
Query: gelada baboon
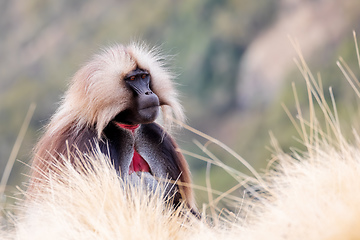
<point x="113" y="101"/>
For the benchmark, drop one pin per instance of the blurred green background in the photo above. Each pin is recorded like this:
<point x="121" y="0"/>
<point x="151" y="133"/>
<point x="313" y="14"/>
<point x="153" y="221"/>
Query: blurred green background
<point x="233" y="60"/>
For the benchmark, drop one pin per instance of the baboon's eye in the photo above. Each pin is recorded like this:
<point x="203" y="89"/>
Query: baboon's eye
<point x="143" y="76"/>
<point x="132" y="78"/>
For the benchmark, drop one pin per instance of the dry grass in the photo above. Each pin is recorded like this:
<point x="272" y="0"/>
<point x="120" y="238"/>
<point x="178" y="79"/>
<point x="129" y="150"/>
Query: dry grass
<point x="16" y="148"/>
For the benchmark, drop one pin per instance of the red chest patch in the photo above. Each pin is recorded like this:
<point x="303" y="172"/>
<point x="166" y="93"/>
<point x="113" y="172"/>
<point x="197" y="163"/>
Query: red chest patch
<point x="138" y="164"/>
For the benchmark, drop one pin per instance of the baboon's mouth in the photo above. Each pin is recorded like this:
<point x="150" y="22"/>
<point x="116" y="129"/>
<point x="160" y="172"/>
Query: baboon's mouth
<point x="154" y="108"/>
<point x="149" y="107"/>
<point x="148" y="114"/>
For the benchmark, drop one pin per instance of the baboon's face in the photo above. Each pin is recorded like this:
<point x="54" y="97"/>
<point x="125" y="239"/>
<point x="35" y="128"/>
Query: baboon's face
<point x="145" y="107"/>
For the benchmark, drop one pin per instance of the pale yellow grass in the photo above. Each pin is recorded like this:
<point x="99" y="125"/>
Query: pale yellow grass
<point x="99" y="205"/>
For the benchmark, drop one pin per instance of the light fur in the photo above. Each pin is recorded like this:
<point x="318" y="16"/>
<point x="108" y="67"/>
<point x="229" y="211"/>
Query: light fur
<point x="97" y="92"/>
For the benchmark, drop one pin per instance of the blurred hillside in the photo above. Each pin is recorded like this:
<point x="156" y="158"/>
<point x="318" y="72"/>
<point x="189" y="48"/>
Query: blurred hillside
<point x="233" y="59"/>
